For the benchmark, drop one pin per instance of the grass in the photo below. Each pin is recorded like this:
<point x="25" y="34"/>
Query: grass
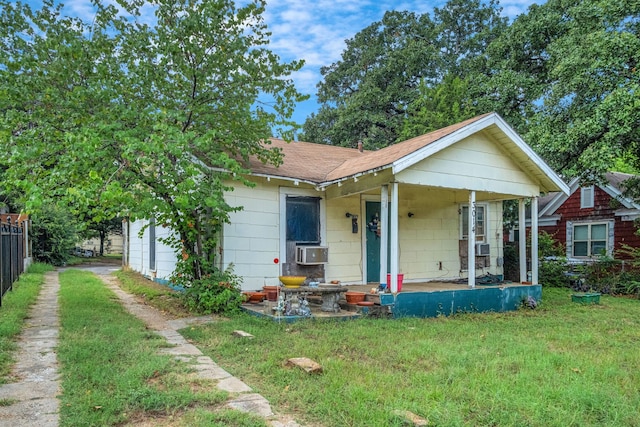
<point x="111" y="370"/>
<point x="13" y="312"/>
<point x="559" y="365"/>
<point x="161" y="297"/>
<point x="562" y="364"/>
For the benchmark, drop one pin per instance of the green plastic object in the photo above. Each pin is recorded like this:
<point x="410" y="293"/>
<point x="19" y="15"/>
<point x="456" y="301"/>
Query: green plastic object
<point x="586" y="298"/>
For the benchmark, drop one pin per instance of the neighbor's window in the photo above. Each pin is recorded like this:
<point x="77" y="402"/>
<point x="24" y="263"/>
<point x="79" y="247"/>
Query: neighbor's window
<point x="586" y="197"/>
<point x="303" y="219"/>
<point x="590" y="239"/>
<point x="481" y="222"/>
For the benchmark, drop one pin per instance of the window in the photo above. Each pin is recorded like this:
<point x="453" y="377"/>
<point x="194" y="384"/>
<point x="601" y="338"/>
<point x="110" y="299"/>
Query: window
<point x="590" y="239"/>
<point x="152" y="244"/>
<point x="303" y="220"/>
<point x="586" y="197"/>
<point x="481" y="222"/>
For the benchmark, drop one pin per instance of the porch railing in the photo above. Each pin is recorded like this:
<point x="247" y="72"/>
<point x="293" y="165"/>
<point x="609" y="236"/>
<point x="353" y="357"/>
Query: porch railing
<point x="11" y="254"/>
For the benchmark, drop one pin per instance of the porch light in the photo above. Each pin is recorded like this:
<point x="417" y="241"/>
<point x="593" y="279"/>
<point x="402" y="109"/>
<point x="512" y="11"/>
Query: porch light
<point x="354" y="222"/>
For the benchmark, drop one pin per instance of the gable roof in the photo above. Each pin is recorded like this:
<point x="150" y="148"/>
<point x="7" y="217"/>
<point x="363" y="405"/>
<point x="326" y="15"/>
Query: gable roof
<point x="613" y="186"/>
<point x="324" y="165"/>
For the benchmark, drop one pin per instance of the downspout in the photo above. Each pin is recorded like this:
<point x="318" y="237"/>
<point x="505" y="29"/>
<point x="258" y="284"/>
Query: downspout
<point x="534" y="241"/>
<point x="522" y="243"/>
<point x="384" y="233"/>
<point x="471" y="241"/>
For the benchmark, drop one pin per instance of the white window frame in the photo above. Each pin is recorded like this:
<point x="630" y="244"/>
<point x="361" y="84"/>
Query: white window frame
<point x="587" y="196"/>
<point x="480" y="238"/>
<point x="571" y="240"/>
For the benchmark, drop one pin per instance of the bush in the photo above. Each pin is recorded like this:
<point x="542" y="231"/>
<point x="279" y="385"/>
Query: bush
<point x="216" y="292"/>
<point x="552" y="272"/>
<point x="54" y="234"/>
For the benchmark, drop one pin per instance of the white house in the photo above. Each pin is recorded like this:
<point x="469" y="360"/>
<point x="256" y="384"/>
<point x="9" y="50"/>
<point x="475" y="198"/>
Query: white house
<point x="429" y="208"/>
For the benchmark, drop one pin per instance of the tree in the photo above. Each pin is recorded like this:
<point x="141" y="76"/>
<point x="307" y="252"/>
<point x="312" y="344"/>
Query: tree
<point x="590" y="115"/>
<point x="369" y="93"/>
<point x="364" y="95"/>
<point x="438" y="107"/>
<point x="142" y="118"/>
<point x="565" y="75"/>
<point x="102" y="230"/>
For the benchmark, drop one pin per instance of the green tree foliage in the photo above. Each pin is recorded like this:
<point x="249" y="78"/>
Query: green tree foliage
<point x="438" y="107"/>
<point x="565" y="75"/>
<point x="591" y="112"/>
<point x="131" y="117"/>
<point x="53" y="234"/>
<point x="364" y="95"/>
<point x="391" y="64"/>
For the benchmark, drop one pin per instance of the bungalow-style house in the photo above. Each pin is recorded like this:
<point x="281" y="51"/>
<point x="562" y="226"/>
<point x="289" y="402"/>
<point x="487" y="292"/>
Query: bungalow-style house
<point x="426" y="209"/>
<point x="591" y="220"/>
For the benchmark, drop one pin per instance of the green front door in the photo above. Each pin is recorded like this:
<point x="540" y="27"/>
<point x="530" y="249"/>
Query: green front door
<point x="371" y="225"/>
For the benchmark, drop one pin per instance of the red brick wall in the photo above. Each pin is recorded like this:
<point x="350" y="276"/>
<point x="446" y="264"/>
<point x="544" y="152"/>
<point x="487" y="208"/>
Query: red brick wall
<point x="624" y="231"/>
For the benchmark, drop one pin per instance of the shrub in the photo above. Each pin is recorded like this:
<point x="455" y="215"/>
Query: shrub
<point x="217" y="292"/>
<point x="54" y="234"/>
<point x="553" y="264"/>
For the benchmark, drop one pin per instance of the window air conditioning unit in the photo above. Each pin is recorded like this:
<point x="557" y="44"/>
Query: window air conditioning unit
<point x="483" y="249"/>
<point x="312" y="255"/>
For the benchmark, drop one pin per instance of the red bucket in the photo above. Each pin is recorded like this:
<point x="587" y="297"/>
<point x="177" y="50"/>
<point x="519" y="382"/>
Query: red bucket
<point x="400" y="278"/>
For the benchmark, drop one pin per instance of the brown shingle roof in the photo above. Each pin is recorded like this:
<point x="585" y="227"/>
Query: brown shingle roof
<point x="319" y="163"/>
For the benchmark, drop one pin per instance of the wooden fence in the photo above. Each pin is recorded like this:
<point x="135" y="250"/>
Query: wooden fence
<point x="12" y="253"/>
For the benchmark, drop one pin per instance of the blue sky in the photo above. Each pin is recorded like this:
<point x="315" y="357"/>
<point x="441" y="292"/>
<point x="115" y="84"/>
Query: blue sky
<point x="316" y="30"/>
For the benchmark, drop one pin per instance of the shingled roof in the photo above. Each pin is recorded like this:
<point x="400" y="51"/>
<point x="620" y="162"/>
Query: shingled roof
<point x="320" y="163"/>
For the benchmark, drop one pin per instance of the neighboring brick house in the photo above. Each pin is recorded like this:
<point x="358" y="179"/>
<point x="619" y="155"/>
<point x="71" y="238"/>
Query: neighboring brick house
<point x="593" y="220"/>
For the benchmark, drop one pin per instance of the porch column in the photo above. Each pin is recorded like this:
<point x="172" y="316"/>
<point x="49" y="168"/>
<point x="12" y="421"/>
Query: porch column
<point x="522" y="242"/>
<point x="534" y="241"/>
<point x="384" y="233"/>
<point x="394" y="239"/>
<point x="471" y="240"/>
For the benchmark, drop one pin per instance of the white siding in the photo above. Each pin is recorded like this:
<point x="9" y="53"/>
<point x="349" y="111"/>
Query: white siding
<point x="252" y="239"/>
<point x="474" y="163"/>
<point x="139" y="252"/>
<point x="345" y="248"/>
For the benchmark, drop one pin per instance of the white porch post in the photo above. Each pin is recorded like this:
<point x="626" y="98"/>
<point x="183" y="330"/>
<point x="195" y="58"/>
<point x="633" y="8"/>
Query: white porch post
<point x="384" y="233"/>
<point x="534" y="241"/>
<point x="471" y="237"/>
<point x="394" y="239"/>
<point x="522" y="242"/>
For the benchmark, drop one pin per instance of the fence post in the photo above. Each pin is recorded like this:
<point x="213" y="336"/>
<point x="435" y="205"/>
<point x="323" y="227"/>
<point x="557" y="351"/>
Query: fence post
<point x="11" y="277"/>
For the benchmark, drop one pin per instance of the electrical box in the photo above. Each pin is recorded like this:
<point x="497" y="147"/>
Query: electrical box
<point x="483" y="249"/>
<point x="312" y="255"/>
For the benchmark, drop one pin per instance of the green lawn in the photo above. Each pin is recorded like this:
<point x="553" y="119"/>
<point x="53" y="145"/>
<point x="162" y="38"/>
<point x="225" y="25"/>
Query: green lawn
<point x="112" y="373"/>
<point x="562" y="364"/>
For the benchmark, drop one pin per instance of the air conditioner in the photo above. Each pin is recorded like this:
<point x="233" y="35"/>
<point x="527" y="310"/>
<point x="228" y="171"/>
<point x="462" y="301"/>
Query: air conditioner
<point x="483" y="249"/>
<point x="312" y="255"/>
